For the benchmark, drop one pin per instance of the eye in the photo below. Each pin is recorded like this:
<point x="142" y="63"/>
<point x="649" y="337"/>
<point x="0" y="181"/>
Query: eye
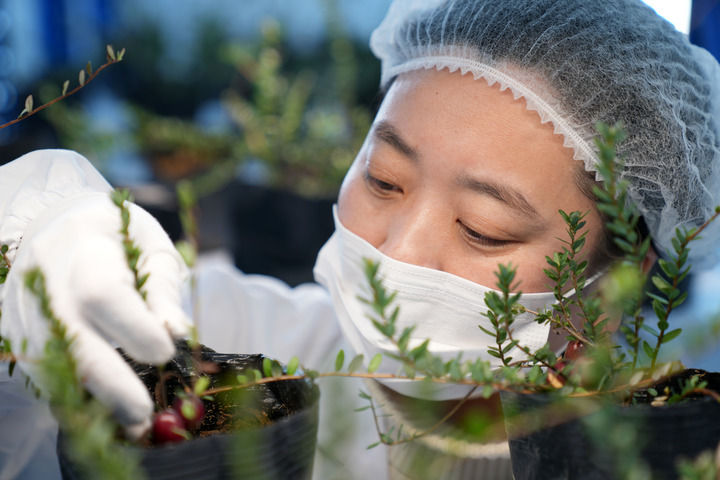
<point x="380" y="186"/>
<point x="480" y="239"/>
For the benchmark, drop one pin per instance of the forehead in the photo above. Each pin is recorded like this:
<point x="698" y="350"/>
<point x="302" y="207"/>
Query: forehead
<point x="459" y="125"/>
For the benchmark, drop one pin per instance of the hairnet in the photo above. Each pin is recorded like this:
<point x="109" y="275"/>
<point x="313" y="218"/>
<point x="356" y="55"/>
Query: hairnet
<point x="579" y="62"/>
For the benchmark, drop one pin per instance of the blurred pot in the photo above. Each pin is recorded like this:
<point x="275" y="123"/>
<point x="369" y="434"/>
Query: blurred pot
<point x="550" y="439"/>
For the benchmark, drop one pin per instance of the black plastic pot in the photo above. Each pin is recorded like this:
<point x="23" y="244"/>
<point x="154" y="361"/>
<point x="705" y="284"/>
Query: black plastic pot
<point x="276" y="438"/>
<point x="550" y="439"/>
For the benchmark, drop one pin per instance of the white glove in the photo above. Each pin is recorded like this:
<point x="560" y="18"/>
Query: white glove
<point x="78" y="247"/>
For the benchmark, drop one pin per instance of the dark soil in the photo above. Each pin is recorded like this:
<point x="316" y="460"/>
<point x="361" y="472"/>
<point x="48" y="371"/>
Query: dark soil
<point x="244" y="408"/>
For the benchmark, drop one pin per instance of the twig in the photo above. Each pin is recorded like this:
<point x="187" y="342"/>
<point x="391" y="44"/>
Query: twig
<point x="90" y="78"/>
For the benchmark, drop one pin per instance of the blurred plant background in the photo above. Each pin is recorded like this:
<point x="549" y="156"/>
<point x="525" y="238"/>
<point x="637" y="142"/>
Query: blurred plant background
<point x="260" y="104"/>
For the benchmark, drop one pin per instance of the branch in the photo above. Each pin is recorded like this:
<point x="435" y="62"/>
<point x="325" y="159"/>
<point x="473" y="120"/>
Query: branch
<point x="112" y="58"/>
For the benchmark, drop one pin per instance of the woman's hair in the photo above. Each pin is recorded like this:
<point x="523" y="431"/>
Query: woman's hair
<point x="577" y="63"/>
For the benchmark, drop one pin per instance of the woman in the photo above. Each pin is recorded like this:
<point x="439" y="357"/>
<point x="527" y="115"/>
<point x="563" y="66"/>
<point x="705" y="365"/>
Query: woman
<point x="485" y="132"/>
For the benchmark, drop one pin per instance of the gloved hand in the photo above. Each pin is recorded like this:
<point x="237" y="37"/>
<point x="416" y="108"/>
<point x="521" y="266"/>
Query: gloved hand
<point x="77" y="245"/>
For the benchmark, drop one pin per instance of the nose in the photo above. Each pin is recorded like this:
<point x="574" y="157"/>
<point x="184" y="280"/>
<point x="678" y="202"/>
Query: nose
<point x="414" y="238"/>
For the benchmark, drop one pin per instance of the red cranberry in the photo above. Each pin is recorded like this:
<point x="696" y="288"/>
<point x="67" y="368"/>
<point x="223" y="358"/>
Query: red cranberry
<point x="574" y="350"/>
<point x="191" y="410"/>
<point x="169" y="427"/>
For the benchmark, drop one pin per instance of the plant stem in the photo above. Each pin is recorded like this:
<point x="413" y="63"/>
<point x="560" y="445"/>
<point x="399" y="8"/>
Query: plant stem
<point x="90" y="78"/>
<point x="375" y="376"/>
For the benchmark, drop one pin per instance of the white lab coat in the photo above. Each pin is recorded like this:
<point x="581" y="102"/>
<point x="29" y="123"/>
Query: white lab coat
<point x="234" y="312"/>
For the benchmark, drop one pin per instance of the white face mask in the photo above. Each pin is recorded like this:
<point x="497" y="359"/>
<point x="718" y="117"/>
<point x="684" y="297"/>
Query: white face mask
<point x="443" y="307"/>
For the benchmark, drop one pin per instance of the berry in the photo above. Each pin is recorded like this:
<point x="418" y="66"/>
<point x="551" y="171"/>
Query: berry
<point x="169" y="427"/>
<point x="574" y="350"/>
<point x="191" y="410"/>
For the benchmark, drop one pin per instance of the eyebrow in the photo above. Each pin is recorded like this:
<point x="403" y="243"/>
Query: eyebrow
<point x="386" y="132"/>
<point x="502" y="193"/>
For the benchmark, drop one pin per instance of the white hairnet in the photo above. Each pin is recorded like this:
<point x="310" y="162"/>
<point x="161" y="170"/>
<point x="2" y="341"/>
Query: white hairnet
<point x="578" y="62"/>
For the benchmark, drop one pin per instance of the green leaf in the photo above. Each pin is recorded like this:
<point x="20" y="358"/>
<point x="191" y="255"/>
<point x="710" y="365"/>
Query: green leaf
<point x="120" y="55"/>
<point x="492" y="334"/>
<point x="671" y="335"/>
<point x="202" y="383"/>
<point x="29" y="103"/>
<point x="276" y="368"/>
<point x="487" y="391"/>
<point x="355" y="363"/>
<point x="650" y="329"/>
<point x="267" y="367"/>
<point x="364" y="395"/>
<point x="648" y="349"/>
<point x="679" y="300"/>
<point x="578" y="244"/>
<point x="405" y="338"/>
<point x="420" y="350"/>
<point x="88" y="68"/>
<point x="659" y="309"/>
<point x="141" y="280"/>
<point x="662" y="284"/>
<point x="660" y="299"/>
<point x="125" y="217"/>
<point x="668" y="268"/>
<point x="292" y="365"/>
<point x="339" y="360"/>
<point x="362" y="409"/>
<point x="455" y="371"/>
<point x="676" y="243"/>
<point x="509" y="346"/>
<point x="375" y="363"/>
<point x="110" y="52"/>
<point x="187" y="251"/>
<point x="242" y="379"/>
<point x="624" y="245"/>
<point x="372" y="445"/>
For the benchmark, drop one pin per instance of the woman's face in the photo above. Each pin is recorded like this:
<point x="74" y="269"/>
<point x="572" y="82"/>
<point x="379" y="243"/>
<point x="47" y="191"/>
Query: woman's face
<point x="458" y="176"/>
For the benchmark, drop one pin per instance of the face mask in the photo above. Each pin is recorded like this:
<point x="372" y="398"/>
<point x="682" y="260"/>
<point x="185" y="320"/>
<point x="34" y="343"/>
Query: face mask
<point x="443" y="307"/>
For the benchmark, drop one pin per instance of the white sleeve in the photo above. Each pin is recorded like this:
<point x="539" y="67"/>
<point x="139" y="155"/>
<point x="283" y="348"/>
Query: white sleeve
<point x="239" y="313"/>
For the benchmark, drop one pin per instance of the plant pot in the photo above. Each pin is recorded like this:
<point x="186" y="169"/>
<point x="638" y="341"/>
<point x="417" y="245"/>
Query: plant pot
<point x="568" y="442"/>
<point x="272" y="436"/>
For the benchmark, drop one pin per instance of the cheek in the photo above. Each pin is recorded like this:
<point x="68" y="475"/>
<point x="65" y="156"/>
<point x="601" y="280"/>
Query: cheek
<point x="355" y="210"/>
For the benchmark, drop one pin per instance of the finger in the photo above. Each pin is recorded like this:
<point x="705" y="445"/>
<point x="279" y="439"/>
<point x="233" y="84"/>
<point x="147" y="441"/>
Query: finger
<point x="163" y="293"/>
<point x="111" y="380"/>
<point x="125" y="318"/>
<point x="107" y="300"/>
